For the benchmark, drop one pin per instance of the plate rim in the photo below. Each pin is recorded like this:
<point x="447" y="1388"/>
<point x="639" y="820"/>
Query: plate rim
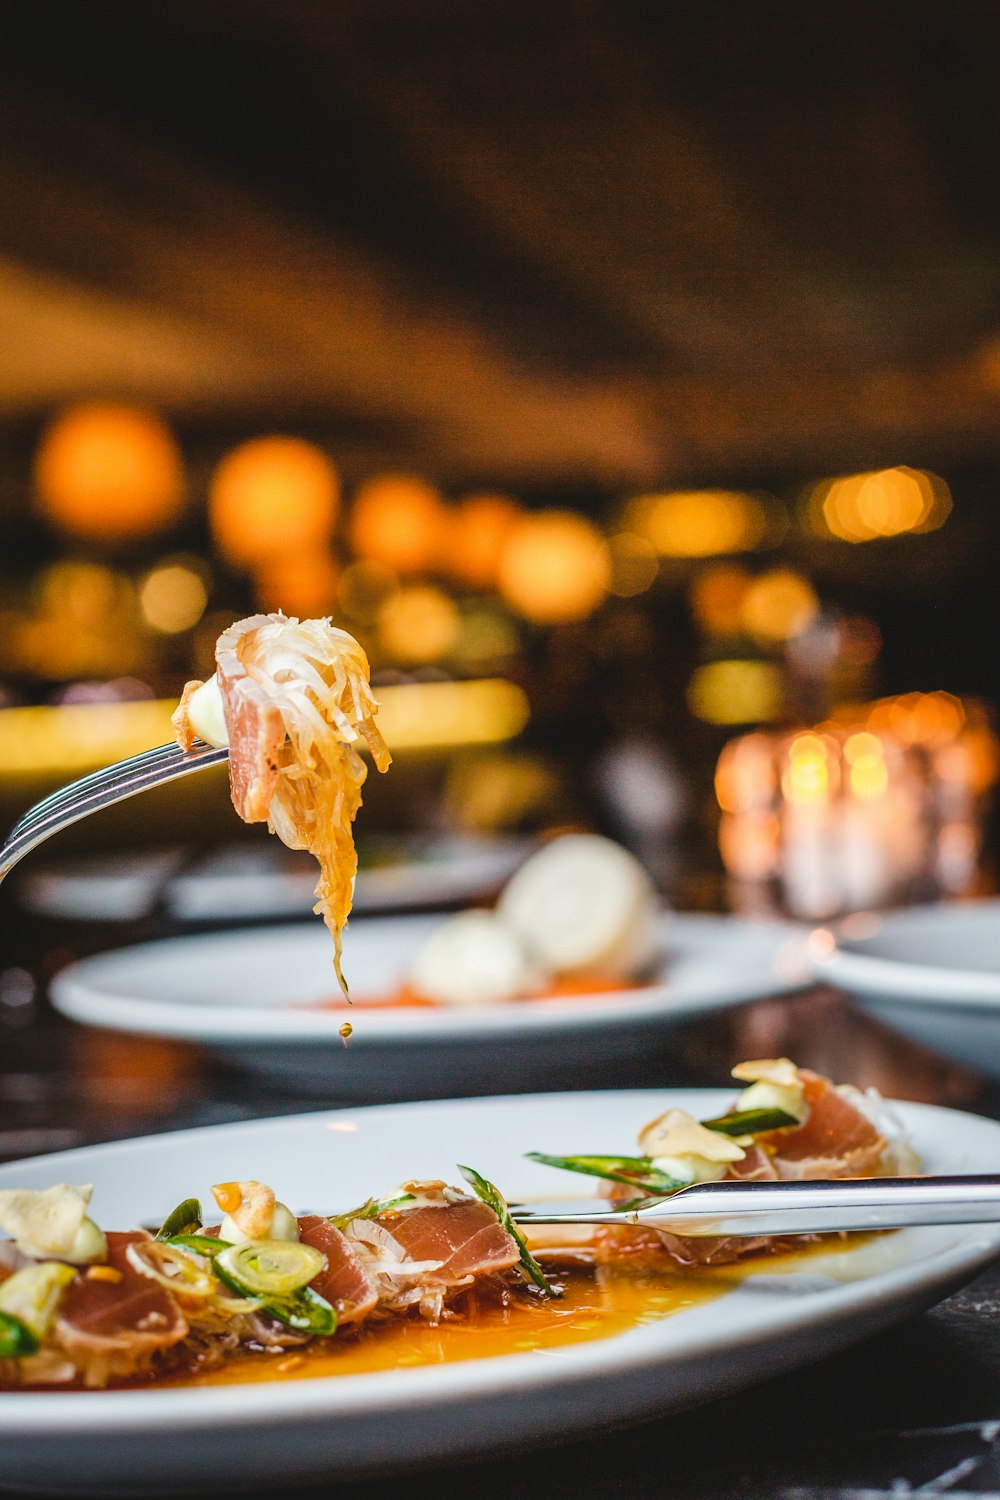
<point x="273" y="1403"/>
<point x="903" y="981"/>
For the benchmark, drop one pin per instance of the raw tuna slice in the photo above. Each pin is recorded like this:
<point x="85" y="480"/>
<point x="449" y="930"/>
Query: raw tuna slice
<point x="834" y="1140"/>
<point x="344" y="1283"/>
<point x="465" y="1237"/>
<point x="114" y="1328"/>
<point x="256" y="728"/>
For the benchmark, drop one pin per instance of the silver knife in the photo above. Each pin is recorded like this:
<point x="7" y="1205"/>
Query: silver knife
<point x="822" y="1207"/>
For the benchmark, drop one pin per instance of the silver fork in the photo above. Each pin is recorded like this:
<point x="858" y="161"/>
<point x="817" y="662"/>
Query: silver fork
<point x="100" y="789"/>
<point x="725" y="1208"/>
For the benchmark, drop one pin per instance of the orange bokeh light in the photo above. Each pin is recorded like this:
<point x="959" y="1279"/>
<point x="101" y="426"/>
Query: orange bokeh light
<point x="879" y="503"/>
<point x="699" y="523"/>
<point x="400" y="521"/>
<point x="273" y="496"/>
<point x="477" y="532"/>
<point x="717" y="596"/>
<point x="105" y="471"/>
<point x="554" y="567"/>
<point x="303" y="584"/>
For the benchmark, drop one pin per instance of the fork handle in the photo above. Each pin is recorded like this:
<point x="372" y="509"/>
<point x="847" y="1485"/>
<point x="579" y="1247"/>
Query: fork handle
<point x="819" y="1207"/>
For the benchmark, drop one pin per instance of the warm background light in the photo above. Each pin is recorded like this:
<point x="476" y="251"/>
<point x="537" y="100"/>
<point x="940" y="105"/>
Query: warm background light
<point x="45" y="740"/>
<point x="880" y="503"/>
<point x="400" y="521"/>
<point x="478" y="530"/>
<point x="299" y="583"/>
<point x="173" y="596"/>
<point x="736" y="692"/>
<point x="270" y="496"/>
<point x="717" y="595"/>
<point x="554" y="568"/>
<point x="698" y="523"/>
<point x="634" y="564"/>
<point x="779" y="605"/>
<point x="418" y="625"/>
<point x="109" y="472"/>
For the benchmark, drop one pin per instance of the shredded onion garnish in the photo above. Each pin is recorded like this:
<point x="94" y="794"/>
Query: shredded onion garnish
<point x="169" y="1267"/>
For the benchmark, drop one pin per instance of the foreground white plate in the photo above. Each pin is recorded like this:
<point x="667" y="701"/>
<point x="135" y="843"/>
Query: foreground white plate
<point x="252" y="995"/>
<point x="932" y="972"/>
<point x="157" y="1441"/>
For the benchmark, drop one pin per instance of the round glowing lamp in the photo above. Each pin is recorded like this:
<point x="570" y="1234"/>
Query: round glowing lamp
<point x="478" y="531"/>
<point x="273" y="496"/>
<point x="554" y="568"/>
<point x="418" y="625"/>
<point x="298" y="583"/>
<point x="399" y="521"/>
<point x="108" y="472"/>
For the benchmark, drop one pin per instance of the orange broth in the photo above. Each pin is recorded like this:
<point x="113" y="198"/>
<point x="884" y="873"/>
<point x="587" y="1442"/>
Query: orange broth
<point x="597" y="1302"/>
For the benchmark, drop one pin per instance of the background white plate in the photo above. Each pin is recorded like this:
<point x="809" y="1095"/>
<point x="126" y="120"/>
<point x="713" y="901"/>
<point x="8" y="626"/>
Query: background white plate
<point x="158" y="1441"/>
<point x="932" y="972"/>
<point x="242" y="881"/>
<point x="251" y="994"/>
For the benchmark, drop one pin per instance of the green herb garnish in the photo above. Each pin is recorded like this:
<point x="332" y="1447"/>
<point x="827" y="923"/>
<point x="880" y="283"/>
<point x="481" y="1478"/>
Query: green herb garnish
<point x="751" y="1121"/>
<point x="185" y="1219"/>
<point x="369" y="1210"/>
<point x="202" y="1244"/>
<point x="495" y="1200"/>
<point x="634" y="1171"/>
<point x="16" y="1338"/>
<point x="305" y="1310"/>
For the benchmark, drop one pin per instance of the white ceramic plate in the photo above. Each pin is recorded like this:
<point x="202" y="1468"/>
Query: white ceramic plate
<point x="160" y="1441"/>
<point x="253" y="995"/>
<point x="264" y="879"/>
<point x="932" y="972"/>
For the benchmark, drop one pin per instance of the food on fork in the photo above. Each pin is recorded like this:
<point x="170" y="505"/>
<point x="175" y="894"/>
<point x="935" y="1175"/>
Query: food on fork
<point x="580" y="913"/>
<point x="416" y="1275"/>
<point x="292" y="700"/>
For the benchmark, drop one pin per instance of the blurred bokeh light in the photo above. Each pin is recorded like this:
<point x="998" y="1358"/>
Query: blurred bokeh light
<point x="273" y="496"/>
<point x="107" y="472"/>
<point x="554" y="568"/>
<point x="399" y="521"/>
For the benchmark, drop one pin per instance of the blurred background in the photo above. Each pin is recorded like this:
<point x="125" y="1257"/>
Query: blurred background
<point x="625" y="377"/>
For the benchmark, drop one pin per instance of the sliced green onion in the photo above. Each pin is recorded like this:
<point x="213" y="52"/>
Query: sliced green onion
<point x="33" y="1294"/>
<point x="634" y="1171"/>
<point x="305" y="1310"/>
<point x="495" y="1200"/>
<point x="751" y="1121"/>
<point x="185" y="1219"/>
<point x="270" y="1268"/>
<point x="369" y="1210"/>
<point x="201" y="1244"/>
<point x="16" y="1338"/>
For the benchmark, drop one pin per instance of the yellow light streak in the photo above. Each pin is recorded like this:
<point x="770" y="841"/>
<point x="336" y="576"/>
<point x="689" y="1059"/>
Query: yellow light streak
<point x="73" y="738"/>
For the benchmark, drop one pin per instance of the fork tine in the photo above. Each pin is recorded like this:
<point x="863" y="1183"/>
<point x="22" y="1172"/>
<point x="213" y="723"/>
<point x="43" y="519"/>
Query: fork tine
<point x="159" y="755"/>
<point x="102" y="789"/>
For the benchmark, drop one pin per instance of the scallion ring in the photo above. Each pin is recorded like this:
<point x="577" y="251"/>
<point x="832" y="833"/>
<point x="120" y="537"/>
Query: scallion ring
<point x="269" y="1268"/>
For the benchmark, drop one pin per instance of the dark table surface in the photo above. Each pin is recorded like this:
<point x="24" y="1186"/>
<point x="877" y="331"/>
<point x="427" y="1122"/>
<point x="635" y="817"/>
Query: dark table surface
<point x="912" y="1411"/>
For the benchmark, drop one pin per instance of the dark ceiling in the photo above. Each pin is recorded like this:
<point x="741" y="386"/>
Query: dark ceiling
<point x="578" y="241"/>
